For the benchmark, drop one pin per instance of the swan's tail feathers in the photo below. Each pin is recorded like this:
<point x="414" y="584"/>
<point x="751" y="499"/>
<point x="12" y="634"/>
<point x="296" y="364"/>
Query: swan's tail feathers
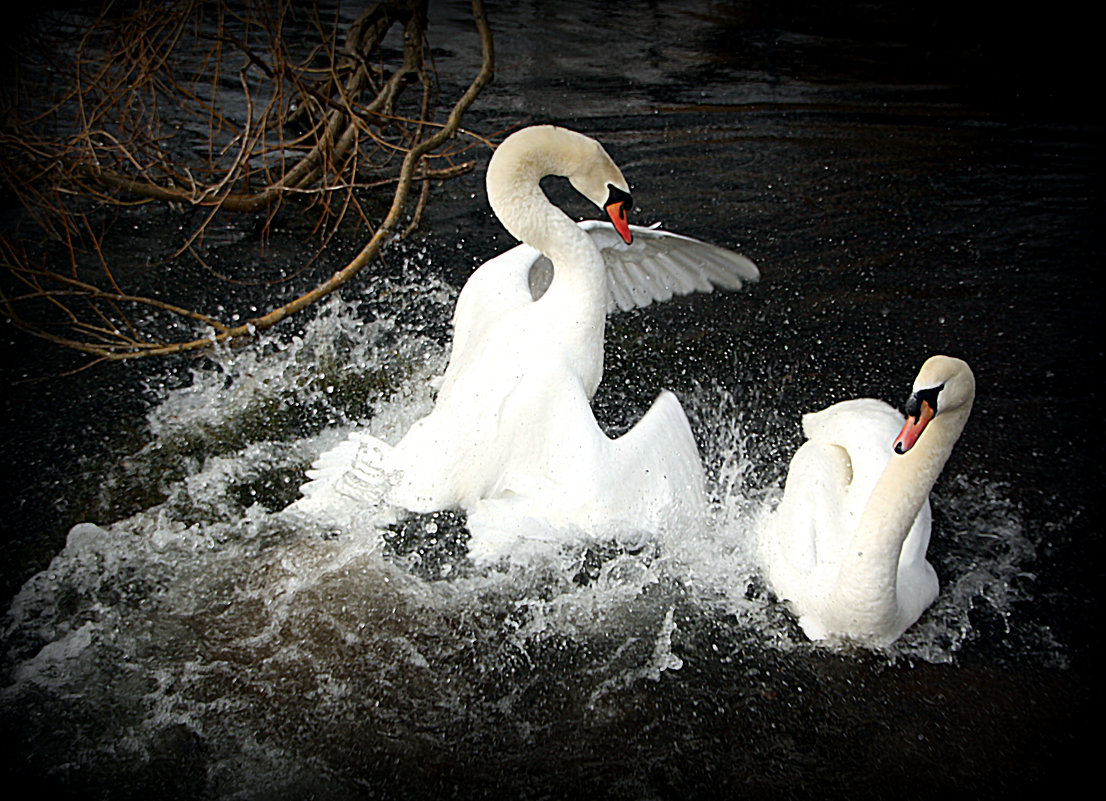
<point x="660" y="462"/>
<point x="648" y="482"/>
<point x="348" y="485"/>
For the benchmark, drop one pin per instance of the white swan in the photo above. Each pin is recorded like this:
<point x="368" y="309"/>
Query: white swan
<point x="512" y="439"/>
<point x="846" y="546"/>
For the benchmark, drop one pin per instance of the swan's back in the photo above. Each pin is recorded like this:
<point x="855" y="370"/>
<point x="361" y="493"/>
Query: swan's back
<point x="829" y="480"/>
<point x="865" y="428"/>
<point x="495" y="289"/>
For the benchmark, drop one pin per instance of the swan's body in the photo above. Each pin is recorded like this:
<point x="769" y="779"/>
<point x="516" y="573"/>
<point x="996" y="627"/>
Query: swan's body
<point x="846" y="546"/>
<point x="512" y="439"/>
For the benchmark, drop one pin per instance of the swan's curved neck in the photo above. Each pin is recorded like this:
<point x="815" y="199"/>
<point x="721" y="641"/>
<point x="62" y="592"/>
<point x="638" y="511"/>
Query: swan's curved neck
<point x="518" y="201"/>
<point x="867" y="582"/>
<point x="577" y="297"/>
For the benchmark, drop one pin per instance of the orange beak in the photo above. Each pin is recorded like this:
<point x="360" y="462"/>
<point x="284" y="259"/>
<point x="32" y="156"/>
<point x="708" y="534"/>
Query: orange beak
<point x="913" y="428"/>
<point x="617" y="212"/>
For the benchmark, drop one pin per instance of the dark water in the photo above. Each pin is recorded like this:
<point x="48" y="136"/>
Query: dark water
<point x="909" y="184"/>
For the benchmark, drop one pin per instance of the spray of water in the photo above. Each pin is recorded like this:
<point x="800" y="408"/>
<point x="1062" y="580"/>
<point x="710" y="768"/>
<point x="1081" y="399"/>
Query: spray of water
<point x="209" y="623"/>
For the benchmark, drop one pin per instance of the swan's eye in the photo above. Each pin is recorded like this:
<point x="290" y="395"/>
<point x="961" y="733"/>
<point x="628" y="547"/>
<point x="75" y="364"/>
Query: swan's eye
<point x="928" y="396"/>
<point x="616" y="195"/>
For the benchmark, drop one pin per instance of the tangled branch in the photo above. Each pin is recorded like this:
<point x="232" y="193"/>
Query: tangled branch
<point x="248" y="126"/>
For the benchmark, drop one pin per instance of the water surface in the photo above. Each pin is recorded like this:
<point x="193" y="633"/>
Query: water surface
<point x="905" y="190"/>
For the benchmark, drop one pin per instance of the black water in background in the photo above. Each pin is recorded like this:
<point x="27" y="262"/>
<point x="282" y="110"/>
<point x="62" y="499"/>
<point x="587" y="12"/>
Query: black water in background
<point x="910" y="182"/>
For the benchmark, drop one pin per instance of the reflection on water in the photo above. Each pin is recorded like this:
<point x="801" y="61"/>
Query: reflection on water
<point x="190" y="641"/>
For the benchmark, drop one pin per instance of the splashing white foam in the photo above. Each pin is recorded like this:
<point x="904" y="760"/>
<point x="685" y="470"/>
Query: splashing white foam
<point x="210" y="610"/>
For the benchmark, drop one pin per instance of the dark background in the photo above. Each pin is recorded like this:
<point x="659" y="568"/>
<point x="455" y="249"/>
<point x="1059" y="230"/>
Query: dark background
<point x="911" y="178"/>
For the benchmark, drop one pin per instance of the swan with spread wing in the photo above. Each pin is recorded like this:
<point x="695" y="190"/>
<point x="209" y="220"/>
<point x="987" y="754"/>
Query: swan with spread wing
<point x="512" y="439"/>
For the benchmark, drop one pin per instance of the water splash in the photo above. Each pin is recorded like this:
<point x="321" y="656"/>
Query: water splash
<point x="210" y="629"/>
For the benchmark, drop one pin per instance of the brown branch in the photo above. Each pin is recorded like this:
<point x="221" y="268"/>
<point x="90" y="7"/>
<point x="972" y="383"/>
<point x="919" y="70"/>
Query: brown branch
<point x="334" y="147"/>
<point x="387" y="227"/>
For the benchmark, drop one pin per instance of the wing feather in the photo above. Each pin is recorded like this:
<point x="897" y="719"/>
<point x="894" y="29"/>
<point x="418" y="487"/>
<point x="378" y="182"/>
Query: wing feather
<point x="660" y="264"/>
<point x="620" y="286"/>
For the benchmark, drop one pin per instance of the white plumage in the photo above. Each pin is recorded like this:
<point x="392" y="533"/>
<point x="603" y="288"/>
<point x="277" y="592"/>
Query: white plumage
<point x="512" y="439"/>
<point x="846" y="547"/>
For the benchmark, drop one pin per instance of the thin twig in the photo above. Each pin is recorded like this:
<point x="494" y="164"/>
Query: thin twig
<point x="349" y="145"/>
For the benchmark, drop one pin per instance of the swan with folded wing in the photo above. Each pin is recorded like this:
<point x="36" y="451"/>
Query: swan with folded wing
<point x="846" y="547"/>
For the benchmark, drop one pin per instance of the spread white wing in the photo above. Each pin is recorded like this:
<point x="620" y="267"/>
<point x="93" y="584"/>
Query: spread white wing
<point x="658" y="265"/>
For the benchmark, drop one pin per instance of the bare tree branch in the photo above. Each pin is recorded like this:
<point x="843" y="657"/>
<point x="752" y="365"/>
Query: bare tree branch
<point x="326" y="126"/>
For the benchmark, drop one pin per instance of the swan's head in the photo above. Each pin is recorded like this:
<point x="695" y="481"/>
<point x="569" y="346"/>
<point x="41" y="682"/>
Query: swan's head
<point x="528" y="154"/>
<point x="617" y="206"/>
<point x="595" y="176"/>
<point x="944" y="385"/>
